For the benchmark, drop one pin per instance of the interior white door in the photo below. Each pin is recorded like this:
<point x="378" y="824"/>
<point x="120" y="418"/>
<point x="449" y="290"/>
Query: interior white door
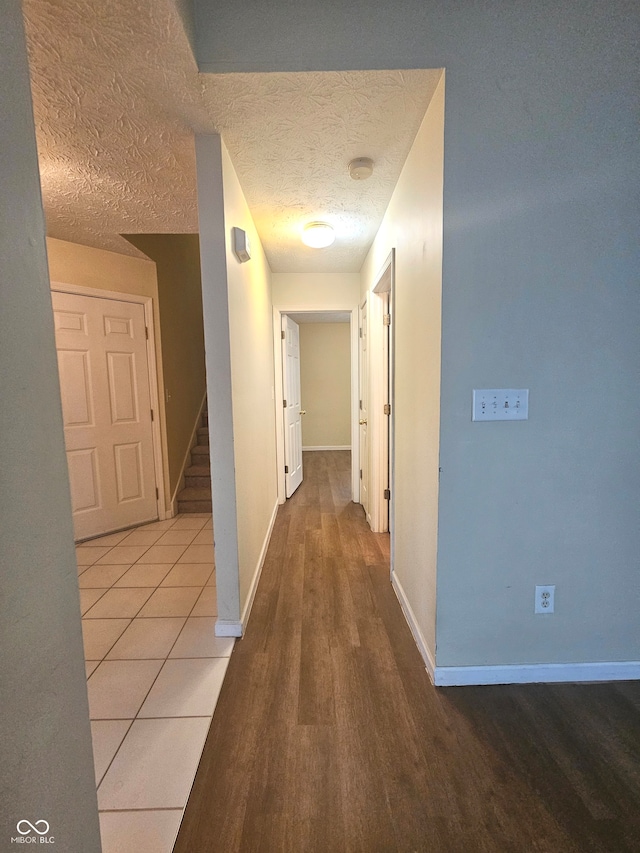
<point x="364" y="413"/>
<point x="292" y="417"/>
<point x="104" y="383"/>
<point x="386" y="435"/>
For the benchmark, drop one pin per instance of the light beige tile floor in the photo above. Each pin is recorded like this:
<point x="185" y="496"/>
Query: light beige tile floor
<point x="143" y="831"/>
<point x="155" y="765"/>
<point x="154" y="668"/>
<point x="100" y="576"/>
<point x="171" y="601"/>
<point x="178" y="537"/>
<point x="107" y="736"/>
<point x="197" y="640"/>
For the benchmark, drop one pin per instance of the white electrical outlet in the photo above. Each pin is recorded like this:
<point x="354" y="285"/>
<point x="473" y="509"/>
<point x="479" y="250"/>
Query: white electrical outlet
<point x="500" y="404"/>
<point x="545" y="596"/>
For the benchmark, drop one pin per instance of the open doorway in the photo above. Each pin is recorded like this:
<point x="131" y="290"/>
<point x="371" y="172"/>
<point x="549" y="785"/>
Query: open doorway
<point x="380" y="394"/>
<point x="376" y="409"/>
<point x="328" y="398"/>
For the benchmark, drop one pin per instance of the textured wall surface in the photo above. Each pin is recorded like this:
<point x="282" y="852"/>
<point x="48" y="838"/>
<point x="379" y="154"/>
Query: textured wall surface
<point x="115" y="91"/>
<point x="117" y="97"/>
<point x="46" y="761"/>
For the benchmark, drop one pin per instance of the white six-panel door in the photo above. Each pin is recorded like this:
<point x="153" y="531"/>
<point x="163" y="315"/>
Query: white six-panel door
<point x="104" y="383"/>
<point x="292" y="417"/>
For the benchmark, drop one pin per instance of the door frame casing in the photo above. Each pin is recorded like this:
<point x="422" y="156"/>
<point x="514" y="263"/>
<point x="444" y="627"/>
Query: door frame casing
<point x="363" y="330"/>
<point x="278" y="397"/>
<point x="293" y="455"/>
<point x="152" y="368"/>
<point x="380" y="375"/>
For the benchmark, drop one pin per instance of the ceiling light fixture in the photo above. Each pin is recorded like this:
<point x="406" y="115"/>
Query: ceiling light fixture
<point x="361" y="168"/>
<point x="318" y="235"/>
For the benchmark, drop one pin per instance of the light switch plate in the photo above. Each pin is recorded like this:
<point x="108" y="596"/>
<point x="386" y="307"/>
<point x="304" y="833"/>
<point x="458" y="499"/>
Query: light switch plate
<point x="500" y="404"/>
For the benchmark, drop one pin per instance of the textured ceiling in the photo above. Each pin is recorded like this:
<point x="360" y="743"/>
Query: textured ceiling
<point x="117" y="99"/>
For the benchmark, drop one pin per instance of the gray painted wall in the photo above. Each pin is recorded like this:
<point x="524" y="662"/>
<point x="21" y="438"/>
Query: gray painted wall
<point x="46" y="762"/>
<point x="215" y="304"/>
<point x="540" y="290"/>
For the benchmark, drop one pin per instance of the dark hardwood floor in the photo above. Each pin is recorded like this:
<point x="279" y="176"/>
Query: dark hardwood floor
<point x="329" y="737"/>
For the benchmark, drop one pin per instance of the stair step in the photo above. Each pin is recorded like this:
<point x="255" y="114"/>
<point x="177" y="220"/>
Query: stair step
<point x="198" y="471"/>
<point x="194" y="481"/>
<point x="195" y="494"/>
<point x="195" y="506"/>
<point x="200" y="455"/>
<point x="194" y="500"/>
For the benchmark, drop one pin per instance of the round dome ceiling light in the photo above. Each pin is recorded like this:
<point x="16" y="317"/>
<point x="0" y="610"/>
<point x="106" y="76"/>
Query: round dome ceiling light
<point x="361" y="168"/>
<point x="318" y="235"/>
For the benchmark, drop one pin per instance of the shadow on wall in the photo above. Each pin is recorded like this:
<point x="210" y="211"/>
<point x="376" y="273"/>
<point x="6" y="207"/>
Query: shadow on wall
<point x="177" y="259"/>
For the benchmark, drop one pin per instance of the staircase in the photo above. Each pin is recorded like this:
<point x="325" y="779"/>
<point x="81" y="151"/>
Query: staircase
<point x="196" y="495"/>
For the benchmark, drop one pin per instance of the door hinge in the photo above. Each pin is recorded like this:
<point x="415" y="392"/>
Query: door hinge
<point x="286" y="469"/>
<point x="386" y="319"/>
<point x="387" y="408"/>
<point x="360" y="405"/>
<point x="157" y="493"/>
<point x="387" y="494"/>
<point x="151" y="414"/>
<point x="361" y="473"/>
<point x="283" y="334"/>
<point x="360" y="331"/>
<point x="146" y="332"/>
<point x="284" y="404"/>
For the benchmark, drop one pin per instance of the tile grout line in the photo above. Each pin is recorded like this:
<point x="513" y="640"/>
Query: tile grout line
<point x="181" y="657"/>
<point x="163" y="660"/>
<point x="106" y="590"/>
<point x="165" y="616"/>
<point x="108" y="767"/>
<point x="138" y="719"/>
<point x="155" y="809"/>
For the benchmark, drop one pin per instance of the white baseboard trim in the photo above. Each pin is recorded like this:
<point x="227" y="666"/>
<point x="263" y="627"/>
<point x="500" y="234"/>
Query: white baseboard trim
<point x="459" y="676"/>
<point x="256" y="575"/>
<point x="228" y="628"/>
<point x="409" y="615"/>
<point x="173" y="509"/>
<point x="332" y="447"/>
<point x="449" y="676"/>
<point x="170" y="512"/>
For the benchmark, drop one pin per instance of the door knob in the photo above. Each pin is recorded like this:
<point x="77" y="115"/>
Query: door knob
<point x="363" y="423"/>
<point x="303" y="411"/>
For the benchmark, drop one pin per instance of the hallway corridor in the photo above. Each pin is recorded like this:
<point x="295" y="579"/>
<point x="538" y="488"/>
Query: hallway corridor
<point x="329" y="737"/>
